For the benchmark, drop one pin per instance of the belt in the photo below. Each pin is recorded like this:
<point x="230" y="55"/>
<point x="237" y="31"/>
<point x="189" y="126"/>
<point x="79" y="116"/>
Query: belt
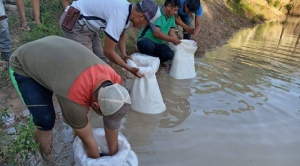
<point x="3" y="17"/>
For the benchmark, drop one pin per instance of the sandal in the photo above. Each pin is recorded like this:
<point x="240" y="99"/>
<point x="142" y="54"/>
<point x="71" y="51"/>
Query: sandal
<point x="25" y="28"/>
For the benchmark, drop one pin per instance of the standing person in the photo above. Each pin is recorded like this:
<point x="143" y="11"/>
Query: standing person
<point x="185" y="18"/>
<point x="152" y="42"/>
<point x="79" y="80"/>
<point x="113" y="17"/>
<point x="5" y="45"/>
<point x="36" y="11"/>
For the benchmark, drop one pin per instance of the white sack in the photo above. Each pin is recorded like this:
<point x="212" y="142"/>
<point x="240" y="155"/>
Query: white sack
<point x="124" y="157"/>
<point x="183" y="63"/>
<point x="144" y="92"/>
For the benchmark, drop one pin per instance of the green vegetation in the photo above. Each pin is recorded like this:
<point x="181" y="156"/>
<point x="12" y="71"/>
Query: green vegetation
<point x="242" y="8"/>
<point x="3" y="114"/>
<point x="274" y="3"/>
<point x="18" y="147"/>
<point x="289" y="7"/>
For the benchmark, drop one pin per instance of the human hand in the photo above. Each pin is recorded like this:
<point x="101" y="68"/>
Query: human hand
<point x="126" y="57"/>
<point x="135" y="71"/>
<point x="189" y="29"/>
<point x="194" y="38"/>
<point x="176" y="41"/>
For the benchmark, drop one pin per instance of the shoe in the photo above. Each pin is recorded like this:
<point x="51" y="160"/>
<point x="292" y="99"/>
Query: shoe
<point x="5" y="56"/>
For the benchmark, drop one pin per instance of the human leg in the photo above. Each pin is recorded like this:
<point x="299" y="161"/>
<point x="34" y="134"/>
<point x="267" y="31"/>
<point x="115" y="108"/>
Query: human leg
<point x="5" y="45"/>
<point x="146" y="46"/>
<point x="21" y="9"/>
<point x="164" y="52"/>
<point x="36" y="11"/>
<point x="39" y="102"/>
<point x="187" y="19"/>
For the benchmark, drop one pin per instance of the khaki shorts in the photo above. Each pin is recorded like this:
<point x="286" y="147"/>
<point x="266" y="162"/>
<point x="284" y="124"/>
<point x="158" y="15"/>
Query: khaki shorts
<point x="74" y="114"/>
<point x="83" y="35"/>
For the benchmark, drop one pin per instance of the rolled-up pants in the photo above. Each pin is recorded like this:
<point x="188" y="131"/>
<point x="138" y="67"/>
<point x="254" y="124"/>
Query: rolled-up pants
<point x="5" y="45"/>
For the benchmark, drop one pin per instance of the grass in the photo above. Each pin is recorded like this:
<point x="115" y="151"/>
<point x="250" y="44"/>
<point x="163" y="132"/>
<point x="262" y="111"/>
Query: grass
<point x="243" y="8"/>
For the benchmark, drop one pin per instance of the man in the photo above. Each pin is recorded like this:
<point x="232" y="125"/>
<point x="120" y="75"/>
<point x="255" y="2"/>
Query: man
<point x="80" y="80"/>
<point x="153" y="42"/>
<point x="114" y="17"/>
<point x="185" y="18"/>
<point x="4" y="34"/>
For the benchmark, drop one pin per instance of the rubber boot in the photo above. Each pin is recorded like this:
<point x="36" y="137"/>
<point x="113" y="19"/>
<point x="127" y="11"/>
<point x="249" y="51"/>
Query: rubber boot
<point x="45" y="139"/>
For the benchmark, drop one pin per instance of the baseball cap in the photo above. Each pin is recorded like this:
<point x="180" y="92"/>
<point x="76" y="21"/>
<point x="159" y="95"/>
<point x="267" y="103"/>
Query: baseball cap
<point x="151" y="11"/>
<point x="114" y="102"/>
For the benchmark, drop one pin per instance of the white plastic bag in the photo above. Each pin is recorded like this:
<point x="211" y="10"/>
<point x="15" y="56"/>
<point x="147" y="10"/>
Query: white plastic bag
<point x="183" y="63"/>
<point x="144" y="92"/>
<point x="124" y="157"/>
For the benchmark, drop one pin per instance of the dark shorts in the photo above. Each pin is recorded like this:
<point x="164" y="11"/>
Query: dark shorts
<point x="38" y="100"/>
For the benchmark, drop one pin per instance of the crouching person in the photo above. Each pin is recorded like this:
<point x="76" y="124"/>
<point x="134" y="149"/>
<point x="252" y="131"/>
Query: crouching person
<point x="79" y="80"/>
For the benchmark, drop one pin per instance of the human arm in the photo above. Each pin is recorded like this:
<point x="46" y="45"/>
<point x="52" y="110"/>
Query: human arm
<point x="112" y="140"/>
<point x="122" y="46"/>
<point x="65" y="3"/>
<point x="168" y="38"/>
<point x="197" y="27"/>
<point x="88" y="140"/>
<point x="183" y="25"/>
<point x="109" y="51"/>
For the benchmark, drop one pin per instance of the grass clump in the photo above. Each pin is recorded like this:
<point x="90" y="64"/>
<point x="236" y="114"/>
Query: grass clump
<point x="18" y="147"/>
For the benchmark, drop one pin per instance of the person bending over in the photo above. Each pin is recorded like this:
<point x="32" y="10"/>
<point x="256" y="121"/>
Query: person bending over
<point x="79" y="80"/>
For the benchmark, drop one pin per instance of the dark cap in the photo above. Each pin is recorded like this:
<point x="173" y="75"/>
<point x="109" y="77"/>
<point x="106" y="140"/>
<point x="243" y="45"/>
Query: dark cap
<point x="192" y="5"/>
<point x="113" y="121"/>
<point x="151" y="11"/>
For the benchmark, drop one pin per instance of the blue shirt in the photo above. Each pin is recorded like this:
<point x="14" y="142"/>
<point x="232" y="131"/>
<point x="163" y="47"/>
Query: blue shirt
<point x="197" y="13"/>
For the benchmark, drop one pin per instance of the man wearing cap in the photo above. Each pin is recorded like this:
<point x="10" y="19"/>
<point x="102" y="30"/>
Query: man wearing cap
<point x="79" y="80"/>
<point x="113" y="17"/>
<point x="185" y="18"/>
<point x="152" y="40"/>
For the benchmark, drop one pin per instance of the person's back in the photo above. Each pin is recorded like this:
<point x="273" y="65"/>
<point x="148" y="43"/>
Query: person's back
<point x="52" y="65"/>
<point x="96" y="14"/>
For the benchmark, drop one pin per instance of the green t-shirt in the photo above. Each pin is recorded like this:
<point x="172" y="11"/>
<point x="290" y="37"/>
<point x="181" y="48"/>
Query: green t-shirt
<point x="164" y="22"/>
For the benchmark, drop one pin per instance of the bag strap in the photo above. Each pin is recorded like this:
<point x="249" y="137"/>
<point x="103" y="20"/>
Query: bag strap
<point x="144" y="31"/>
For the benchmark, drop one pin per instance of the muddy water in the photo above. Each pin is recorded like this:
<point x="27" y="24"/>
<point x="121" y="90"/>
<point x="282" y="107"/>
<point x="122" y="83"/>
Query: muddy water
<point x="243" y="107"/>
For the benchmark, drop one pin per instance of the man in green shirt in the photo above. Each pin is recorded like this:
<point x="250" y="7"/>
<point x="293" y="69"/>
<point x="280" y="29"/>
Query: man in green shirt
<point x="153" y="41"/>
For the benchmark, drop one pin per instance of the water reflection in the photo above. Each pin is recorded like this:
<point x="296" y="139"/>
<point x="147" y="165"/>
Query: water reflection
<point x="266" y="56"/>
<point x="175" y="94"/>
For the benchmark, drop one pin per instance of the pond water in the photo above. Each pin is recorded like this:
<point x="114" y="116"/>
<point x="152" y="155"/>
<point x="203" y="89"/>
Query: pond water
<point x="242" y="108"/>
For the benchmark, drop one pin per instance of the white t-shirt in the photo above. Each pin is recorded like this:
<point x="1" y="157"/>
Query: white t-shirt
<point x="112" y="16"/>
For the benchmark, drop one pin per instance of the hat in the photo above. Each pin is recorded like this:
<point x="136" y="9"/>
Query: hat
<point x="114" y="101"/>
<point x="151" y="11"/>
